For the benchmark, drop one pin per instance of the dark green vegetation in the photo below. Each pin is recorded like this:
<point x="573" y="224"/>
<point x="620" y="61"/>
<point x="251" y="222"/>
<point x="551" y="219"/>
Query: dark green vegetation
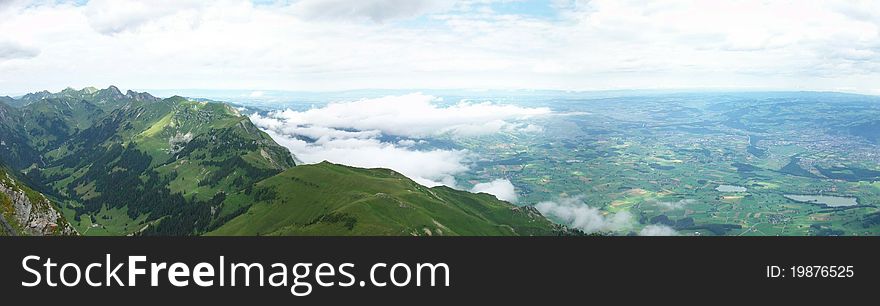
<point x="123" y="164"/>
<point x="640" y="153"/>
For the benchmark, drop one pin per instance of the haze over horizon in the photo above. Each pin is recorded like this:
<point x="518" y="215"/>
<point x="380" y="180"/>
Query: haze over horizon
<point x="334" y="45"/>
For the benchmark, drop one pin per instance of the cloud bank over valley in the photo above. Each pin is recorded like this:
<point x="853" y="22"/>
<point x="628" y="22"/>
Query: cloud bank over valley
<point x="396" y="132"/>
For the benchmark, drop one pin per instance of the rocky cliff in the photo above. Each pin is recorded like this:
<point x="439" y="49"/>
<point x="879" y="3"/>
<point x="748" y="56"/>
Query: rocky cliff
<point x="28" y="213"/>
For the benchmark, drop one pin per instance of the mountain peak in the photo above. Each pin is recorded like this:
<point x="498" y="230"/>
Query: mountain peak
<point x="114" y="90"/>
<point x="108" y="96"/>
<point x="36" y="96"/>
<point x="111" y="93"/>
<point x="177" y="99"/>
<point x="140" y="96"/>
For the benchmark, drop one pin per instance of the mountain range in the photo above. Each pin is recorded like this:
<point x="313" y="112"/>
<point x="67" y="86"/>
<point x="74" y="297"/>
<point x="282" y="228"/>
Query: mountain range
<point x="104" y="162"/>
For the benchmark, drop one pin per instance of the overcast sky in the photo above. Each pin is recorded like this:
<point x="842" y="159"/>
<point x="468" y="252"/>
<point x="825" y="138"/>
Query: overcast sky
<point x="325" y="45"/>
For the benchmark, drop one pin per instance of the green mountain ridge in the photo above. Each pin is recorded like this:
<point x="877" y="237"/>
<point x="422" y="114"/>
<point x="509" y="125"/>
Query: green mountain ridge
<point x="133" y="164"/>
<point x="331" y="199"/>
<point x="135" y="159"/>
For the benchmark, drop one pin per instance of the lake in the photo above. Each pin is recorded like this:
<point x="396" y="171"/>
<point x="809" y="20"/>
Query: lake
<point x="830" y="201"/>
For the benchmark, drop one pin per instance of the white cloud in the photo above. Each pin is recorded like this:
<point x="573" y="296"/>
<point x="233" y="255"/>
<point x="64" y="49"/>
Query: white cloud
<point x="350" y="133"/>
<point x="414" y="115"/>
<point x="666" y="205"/>
<point x="531" y="128"/>
<point x="429" y="168"/>
<point x="407" y="142"/>
<point x="334" y="45"/>
<point x="500" y="188"/>
<point x="116" y="16"/>
<point x="12" y="50"/>
<point x="371" y="10"/>
<point x="658" y="230"/>
<point x="573" y="212"/>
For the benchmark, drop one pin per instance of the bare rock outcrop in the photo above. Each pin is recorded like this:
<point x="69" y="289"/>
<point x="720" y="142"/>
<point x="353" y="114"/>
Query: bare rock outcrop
<point x="29" y="213"/>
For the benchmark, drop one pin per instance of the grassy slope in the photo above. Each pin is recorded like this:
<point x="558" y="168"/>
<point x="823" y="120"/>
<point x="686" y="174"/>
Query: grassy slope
<point x="329" y="199"/>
